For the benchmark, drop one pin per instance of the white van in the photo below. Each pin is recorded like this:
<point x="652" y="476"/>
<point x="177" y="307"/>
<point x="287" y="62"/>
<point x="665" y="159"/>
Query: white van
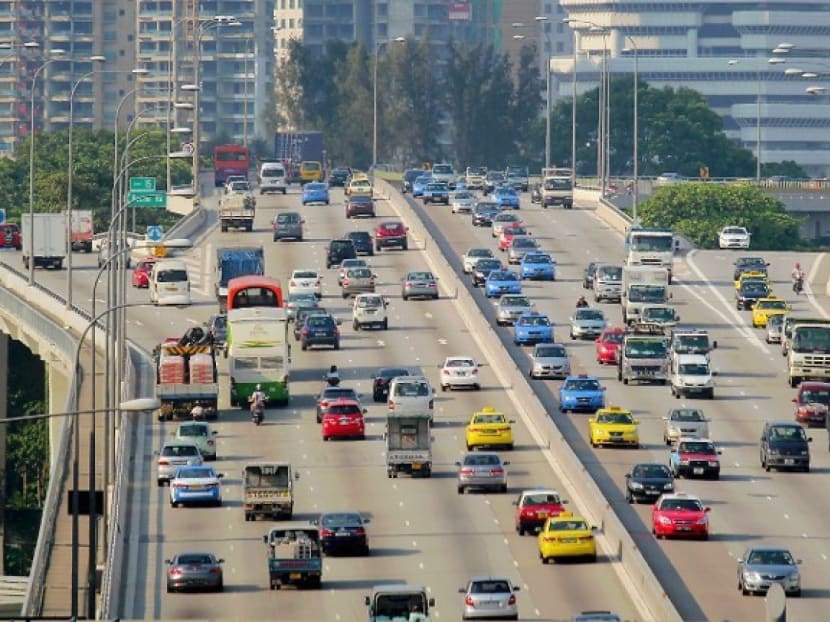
<point x="410" y="395"/>
<point x="169" y="283"/>
<point x="272" y="178"/>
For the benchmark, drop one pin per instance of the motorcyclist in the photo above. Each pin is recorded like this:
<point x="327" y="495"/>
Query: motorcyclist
<point x="333" y="376"/>
<point x="798" y="278"/>
<point x="581" y="302"/>
<point x="257" y="399"/>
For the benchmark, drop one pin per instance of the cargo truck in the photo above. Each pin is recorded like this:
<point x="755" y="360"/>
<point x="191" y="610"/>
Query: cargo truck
<point x="187" y="376"/>
<point x="294" y="556"/>
<point x="236" y="211"/>
<point x="643" y="285"/>
<point x="809" y="353"/>
<point x="650" y="246"/>
<point x="234" y="262"/>
<point x="408" y="444"/>
<point x="297" y="147"/>
<point x="48" y="246"/>
<point x="268" y="490"/>
<point x="643" y="355"/>
<point x="82" y="230"/>
<point x="557" y="187"/>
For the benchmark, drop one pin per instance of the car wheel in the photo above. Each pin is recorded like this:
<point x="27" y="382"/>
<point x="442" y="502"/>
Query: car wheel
<point x="545" y="560"/>
<point x="461" y="490"/>
<point x="160" y="482"/>
<point x="336" y="345"/>
<point x="304" y="346"/>
<point x="796" y="593"/>
<point x="628" y="496"/>
<point x="385" y="325"/>
<point x="170" y="589"/>
<point x="443" y="387"/>
<point x="503" y="487"/>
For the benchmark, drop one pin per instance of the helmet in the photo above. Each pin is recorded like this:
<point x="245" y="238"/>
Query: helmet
<point x="259" y="387"/>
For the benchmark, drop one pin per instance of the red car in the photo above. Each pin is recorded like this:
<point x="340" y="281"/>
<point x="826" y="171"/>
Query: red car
<point x="10" y="236"/>
<point x="608" y="343"/>
<point x="343" y="418"/>
<point x="508" y="233"/>
<point x="391" y="233"/>
<point x="534" y="507"/>
<point x="679" y="515"/>
<point x="812" y="402"/>
<point x="141" y="272"/>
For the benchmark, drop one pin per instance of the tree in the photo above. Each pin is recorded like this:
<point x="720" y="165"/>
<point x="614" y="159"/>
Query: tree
<point x="352" y="142"/>
<point x="787" y="168"/>
<point x="527" y="104"/>
<point x="699" y="210"/>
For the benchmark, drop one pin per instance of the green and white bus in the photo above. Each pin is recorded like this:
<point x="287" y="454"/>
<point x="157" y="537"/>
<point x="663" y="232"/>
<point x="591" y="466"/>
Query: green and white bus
<point x="258" y="353"/>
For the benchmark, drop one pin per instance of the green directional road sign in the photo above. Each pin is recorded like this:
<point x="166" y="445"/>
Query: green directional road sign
<point x="142" y="184"/>
<point x="147" y="199"/>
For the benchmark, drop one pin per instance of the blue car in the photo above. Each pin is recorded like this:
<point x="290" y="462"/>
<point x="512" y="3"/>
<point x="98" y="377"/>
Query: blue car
<point x="420" y="184"/>
<point x="532" y="328"/>
<point x="195" y="484"/>
<point x="506" y="197"/>
<point x="500" y="282"/>
<point x="436" y="192"/>
<point x="581" y="393"/>
<point x="315" y="192"/>
<point x="537" y="267"/>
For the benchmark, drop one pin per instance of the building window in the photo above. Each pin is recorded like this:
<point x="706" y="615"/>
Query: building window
<point x="291" y="23"/>
<point x="560" y="47"/>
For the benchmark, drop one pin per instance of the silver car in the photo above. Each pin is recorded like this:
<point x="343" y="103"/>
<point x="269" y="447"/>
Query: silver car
<point x="419" y="285"/>
<point x="761" y="566"/>
<point x="350" y="263"/>
<point x="587" y="323"/>
<point x="502" y="220"/>
<point x="484" y="470"/>
<point x="462" y="202"/>
<point x="471" y="257"/>
<point x="288" y="226"/>
<point x="685" y="422"/>
<point x="549" y="360"/>
<point x="775" y="327"/>
<point x="490" y="598"/>
<point x="175" y="454"/>
<point x="357" y="281"/>
<point x="510" y="307"/>
<point x="519" y="247"/>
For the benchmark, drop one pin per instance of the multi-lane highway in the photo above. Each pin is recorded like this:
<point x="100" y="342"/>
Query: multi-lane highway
<point x="421" y="531"/>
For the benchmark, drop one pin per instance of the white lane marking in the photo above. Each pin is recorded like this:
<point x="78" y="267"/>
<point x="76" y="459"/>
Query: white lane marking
<point x="138" y="322"/>
<point x="421" y="565"/>
<point x="380" y="343"/>
<point x="804" y="535"/>
<point x="823" y="556"/>
<point x="809" y="292"/>
<point x="443" y="342"/>
<point x="406" y="523"/>
<point x="414" y="544"/>
<point x="537" y="612"/>
<point x="787" y="516"/>
<point x="428" y="315"/>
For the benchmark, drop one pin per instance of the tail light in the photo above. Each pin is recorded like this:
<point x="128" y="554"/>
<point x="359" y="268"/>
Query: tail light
<point x="336" y="331"/>
<point x="445" y="372"/>
<point x="475" y="371"/>
<point x="467" y="471"/>
<point x="292" y="283"/>
<point x="431" y="284"/>
<point x="210" y="442"/>
<point x="496" y="471"/>
<point x="175" y="571"/>
<point x="164" y="463"/>
<point x="216" y="570"/>
<point x="360" y="531"/>
<point x="475" y="429"/>
<point x="390" y="405"/>
<point x="505" y="428"/>
<point x="346" y="281"/>
<point x="469" y="601"/>
<point x="305" y="330"/>
<point x="326" y="533"/>
<point x="511" y="600"/>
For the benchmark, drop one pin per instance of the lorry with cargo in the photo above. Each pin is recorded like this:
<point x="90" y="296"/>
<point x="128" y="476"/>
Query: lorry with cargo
<point x="557" y="187"/>
<point x="642" y="285"/>
<point x="268" y="490"/>
<point x="298" y="147"/>
<point x="808" y="356"/>
<point x="408" y="444"/>
<point x="187" y="376"/>
<point x="82" y="230"/>
<point x="643" y="355"/>
<point x="233" y="262"/>
<point x="650" y="246"/>
<point x="294" y="556"/>
<point x="399" y="603"/>
<point x="44" y="239"/>
<point x="236" y="211"/>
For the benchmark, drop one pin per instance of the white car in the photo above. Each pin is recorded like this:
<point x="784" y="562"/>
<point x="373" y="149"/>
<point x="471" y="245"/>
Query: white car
<point x="734" y="237"/>
<point x="459" y="371"/>
<point x="471" y="257"/>
<point x="307" y="282"/>
<point x="369" y="311"/>
<point x="462" y="202"/>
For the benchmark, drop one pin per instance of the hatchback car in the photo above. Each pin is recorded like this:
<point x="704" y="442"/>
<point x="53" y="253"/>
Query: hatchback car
<point x="338" y="250"/>
<point x="811" y="403"/>
<point x="363" y="242"/>
<point x="369" y="311"/>
<point x="357" y="281"/>
<point x="482" y="470"/>
<point x="196" y="484"/>
<point x="346" y="265"/>
<point x="320" y="330"/>
<point x="685" y="422"/>
<point x="490" y="598"/>
<point x="175" y="454"/>
<point x="460" y="371"/>
<point x="200" y="433"/>
<point x="306" y="282"/>
<point x="484" y="212"/>
<point x="331" y="394"/>
<point x="608" y="344"/>
<point x="549" y="360"/>
<point x="381" y="380"/>
<point x="141" y="272"/>
<point x="647" y="481"/>
<point x="391" y="233"/>
<point x="194" y="571"/>
<point x="519" y="247"/>
<point x="288" y="226"/>
<point x="316" y="192"/>
<point x="761" y="566"/>
<point x="534" y="507"/>
<point x="343" y="418"/>
<point x="343" y="532"/>
<point x="360" y="205"/>
<point x="419" y="284"/>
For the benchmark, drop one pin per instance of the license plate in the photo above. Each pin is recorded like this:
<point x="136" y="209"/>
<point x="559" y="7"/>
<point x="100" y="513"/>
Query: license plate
<point x="542" y="514"/>
<point x="568" y="540"/>
<point x="416" y="467"/>
<point x="341" y="534"/>
<point x="683" y="528"/>
<point x="698" y="470"/>
<point x="789" y="461"/>
<point x="195" y="487"/>
<point x="295" y="575"/>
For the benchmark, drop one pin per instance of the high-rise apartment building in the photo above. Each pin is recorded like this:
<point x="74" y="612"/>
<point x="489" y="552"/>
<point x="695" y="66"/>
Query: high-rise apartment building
<point x="288" y="25"/>
<point x="722" y="50"/>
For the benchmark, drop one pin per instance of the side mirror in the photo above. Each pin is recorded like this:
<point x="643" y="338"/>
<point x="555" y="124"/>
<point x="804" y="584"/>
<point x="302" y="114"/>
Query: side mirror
<point x="461" y="590"/>
<point x="720" y="452"/>
<point x="220" y="475"/>
<point x="516" y="503"/>
<point x="809" y="439"/>
<point x="714" y="345"/>
<point x="628" y="476"/>
<point x="367" y="601"/>
<point x="296" y="475"/>
<point x="365" y="411"/>
<point x="168" y="561"/>
<point x="220" y="561"/>
<point x="636" y="422"/>
<point x="506" y="463"/>
<point x="740" y="560"/>
<point x="458" y="464"/>
<point x="707" y="509"/>
<point x="516" y="588"/>
<point x="794" y="400"/>
<point x="431" y="602"/>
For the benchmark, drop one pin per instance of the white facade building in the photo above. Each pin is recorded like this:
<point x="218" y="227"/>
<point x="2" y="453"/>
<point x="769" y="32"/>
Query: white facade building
<point x="690" y="44"/>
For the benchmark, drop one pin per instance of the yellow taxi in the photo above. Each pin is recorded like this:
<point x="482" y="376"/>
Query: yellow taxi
<point x="489" y="428"/>
<point x="751" y="274"/>
<point x="311" y="171"/>
<point x="614" y="426"/>
<point x="766" y="308"/>
<point x="566" y="535"/>
<point x="359" y="187"/>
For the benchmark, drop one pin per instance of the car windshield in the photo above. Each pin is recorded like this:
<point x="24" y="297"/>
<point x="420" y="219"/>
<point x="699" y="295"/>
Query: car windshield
<point x="540" y="259"/>
<point x="193" y="559"/>
<point x="420" y="276"/>
<point x="459" y="363"/>
<point x="514" y="301"/>
<point x="442" y="169"/>
<point x="284" y="219"/>
<point x="369" y="302"/>
<point x="647" y="293"/>
<point x="171" y="276"/>
<point x="412" y="389"/>
<point x="490" y="587"/>
<point x="304" y="274"/>
<point x="582" y="384"/>
<point x="754" y="288"/>
<point x="815" y="396"/>
<point x="393" y="372"/>
<point x="772" y="304"/>
<point x="195" y="473"/>
<point x="652" y="243"/>
<point x="481" y="460"/>
<point x="609" y="273"/>
<point x="487" y="206"/>
<point x="658" y="313"/>
<point x="567" y="525"/>
<point x="333" y="393"/>
<point x="477" y="170"/>
<point x="558" y="184"/>
<point x="412" y="175"/>
<point x="192" y="430"/>
<point x="490" y="418"/>
<point x="624" y="418"/>
<point x="734" y="231"/>
<point x="220" y="321"/>
<point x="687" y="415"/>
<point x="787" y="433"/>
<point x="507" y="191"/>
<point x="645" y="349"/>
<point x="697" y="447"/>
<point x="479" y="252"/>
<point x="359" y="273"/>
<point x="770" y="558"/>
<point x="319" y="321"/>
<point x="344" y="519"/>
<point x="361" y="200"/>
<point x="534" y="320"/>
<point x="692" y="343"/>
<point x="694" y="369"/>
<point x="551" y="352"/>
<point x="507" y="218"/>
<point x="423" y="179"/>
<point x="483" y="265"/>
<point x="541" y="498"/>
<point x="180" y="450"/>
<point x="651" y="471"/>
<point x="523" y="243"/>
<point x="436" y="186"/>
<point x="615" y="337"/>
<point x="391" y="226"/>
<point x="339" y="245"/>
<point x="589" y="314"/>
<point x="514" y="230"/>
<point x="501" y="275"/>
<point x="681" y="505"/>
<point x="463" y="195"/>
<point x="343" y="409"/>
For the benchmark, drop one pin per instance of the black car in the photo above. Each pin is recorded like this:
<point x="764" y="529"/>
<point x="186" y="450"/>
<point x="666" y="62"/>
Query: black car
<point x="749" y="264"/>
<point x="647" y="481"/>
<point x="588" y="274"/>
<point x="329" y="394"/>
<point x="338" y="250"/>
<point x="751" y="291"/>
<point x="363" y="242"/>
<point x="339" y="176"/>
<point x="319" y="330"/>
<point x="482" y="270"/>
<point x="785" y="445"/>
<point x="343" y="532"/>
<point x="380" y="383"/>
<point x="408" y="177"/>
<point x="217" y="328"/>
<point x="484" y="212"/>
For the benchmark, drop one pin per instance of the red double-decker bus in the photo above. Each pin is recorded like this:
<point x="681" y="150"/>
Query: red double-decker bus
<point x="229" y="160"/>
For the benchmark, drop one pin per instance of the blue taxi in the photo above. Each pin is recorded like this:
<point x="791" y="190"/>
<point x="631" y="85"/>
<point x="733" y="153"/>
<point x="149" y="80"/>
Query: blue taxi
<point x="581" y="393"/>
<point x="506" y="197"/>
<point x="532" y="328"/>
<point x="500" y="282"/>
<point x="538" y="267"/>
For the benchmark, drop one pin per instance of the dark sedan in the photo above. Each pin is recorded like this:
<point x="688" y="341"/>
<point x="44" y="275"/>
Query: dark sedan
<point x="360" y="206"/>
<point x="194" y="571"/>
<point x="339" y="176"/>
<point x="380" y="383"/>
<point x="484" y="212"/>
<point x="483" y="268"/>
<point x="301" y="314"/>
<point x="363" y="242"/>
<point x="647" y="481"/>
<point x="343" y="532"/>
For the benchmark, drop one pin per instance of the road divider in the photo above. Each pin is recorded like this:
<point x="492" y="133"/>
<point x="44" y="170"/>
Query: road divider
<point x="644" y="587"/>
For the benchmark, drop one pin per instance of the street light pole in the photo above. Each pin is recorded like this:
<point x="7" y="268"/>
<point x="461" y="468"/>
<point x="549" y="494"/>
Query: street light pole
<point x="573" y="115"/>
<point x="31" y="232"/>
<point x="378" y="45"/>
<point x="635" y="191"/>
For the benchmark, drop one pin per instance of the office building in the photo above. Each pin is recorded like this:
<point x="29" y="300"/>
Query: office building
<point x="722" y="50"/>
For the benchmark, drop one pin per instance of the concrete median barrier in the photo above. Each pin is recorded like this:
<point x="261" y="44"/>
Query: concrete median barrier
<point x="619" y="547"/>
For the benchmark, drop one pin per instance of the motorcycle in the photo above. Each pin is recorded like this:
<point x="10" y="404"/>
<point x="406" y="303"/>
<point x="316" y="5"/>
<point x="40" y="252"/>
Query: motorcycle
<point x="257" y="411"/>
<point x="333" y="379"/>
<point x="798" y="285"/>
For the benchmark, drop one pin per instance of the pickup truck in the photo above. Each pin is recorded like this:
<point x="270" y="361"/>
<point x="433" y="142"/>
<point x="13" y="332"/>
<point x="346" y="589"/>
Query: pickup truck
<point x="294" y="556"/>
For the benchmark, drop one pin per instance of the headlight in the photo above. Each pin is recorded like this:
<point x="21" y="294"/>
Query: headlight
<point x="664" y="520"/>
<point x="804" y="452"/>
<point x="684" y="462"/>
<point x="674" y="430"/>
<point x="773" y="452"/>
<point x="668" y="486"/>
<point x="636" y="485"/>
<point x="702" y="521"/>
<point x="795" y="577"/>
<point x="752" y="576"/>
